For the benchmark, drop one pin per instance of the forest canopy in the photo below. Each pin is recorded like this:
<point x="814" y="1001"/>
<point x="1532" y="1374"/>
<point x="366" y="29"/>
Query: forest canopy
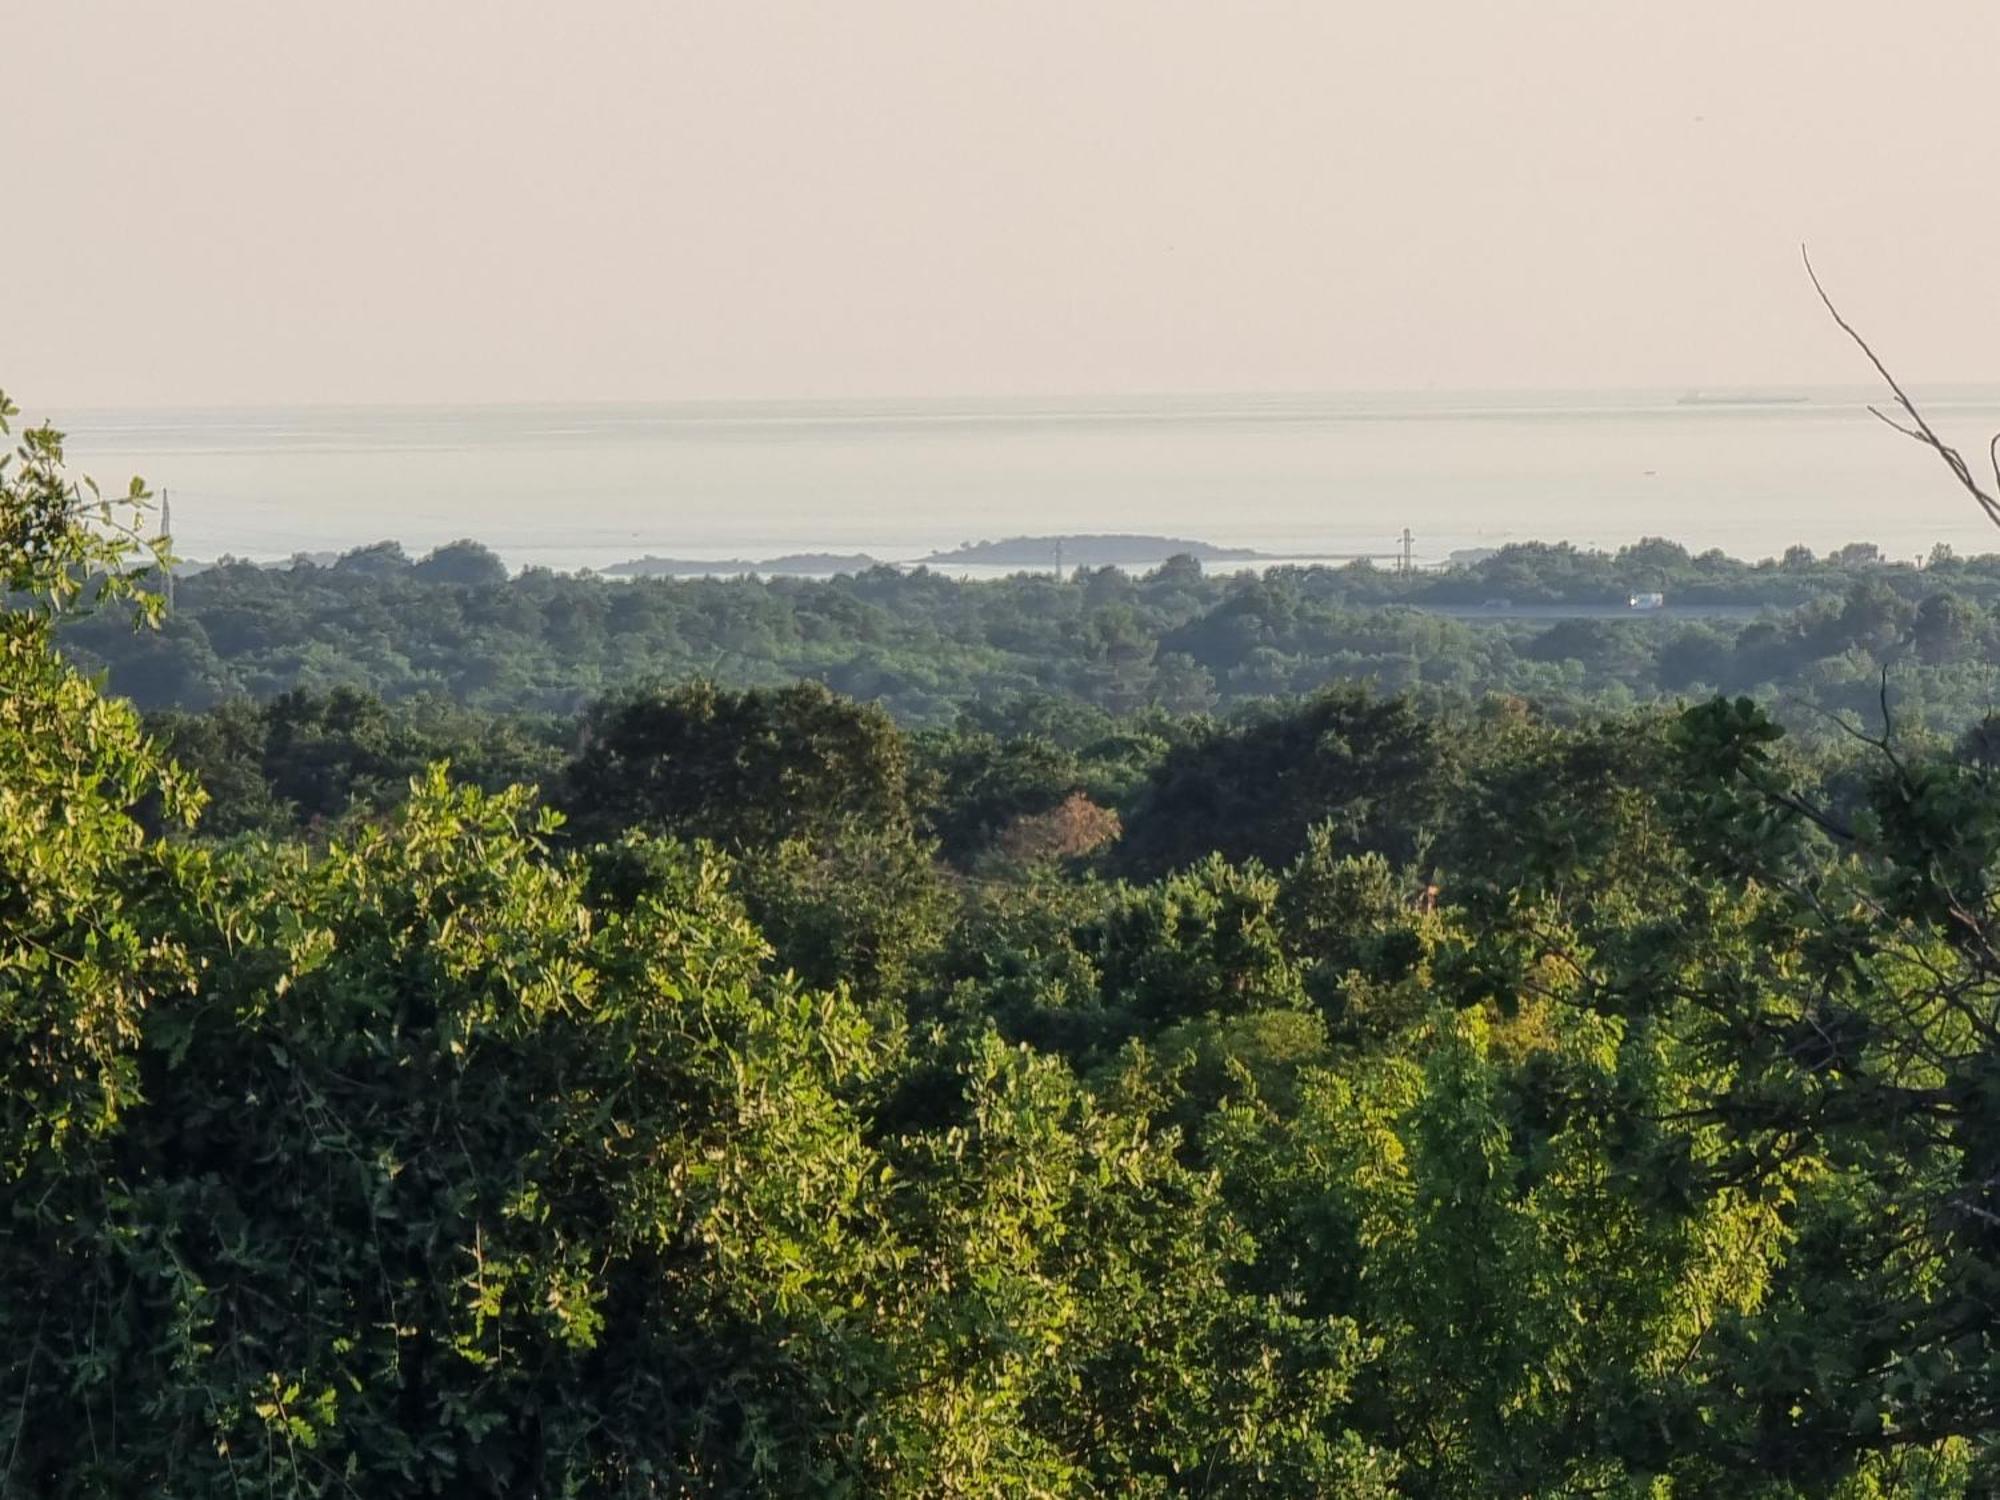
<point x="1806" y="636"/>
<point x="1017" y="1084"/>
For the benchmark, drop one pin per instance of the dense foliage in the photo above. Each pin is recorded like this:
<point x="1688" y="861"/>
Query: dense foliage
<point x="1338" y="1099"/>
<point x="1799" y="633"/>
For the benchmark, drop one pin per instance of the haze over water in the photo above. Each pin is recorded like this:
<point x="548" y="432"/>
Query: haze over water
<point x="569" y="486"/>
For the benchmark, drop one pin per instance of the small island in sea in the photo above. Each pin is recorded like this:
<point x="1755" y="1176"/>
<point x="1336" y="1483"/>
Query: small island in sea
<point x="1097" y="551"/>
<point x="797" y="564"/>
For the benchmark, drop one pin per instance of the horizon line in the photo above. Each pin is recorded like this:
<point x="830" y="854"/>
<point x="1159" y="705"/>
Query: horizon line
<point x="1159" y="394"/>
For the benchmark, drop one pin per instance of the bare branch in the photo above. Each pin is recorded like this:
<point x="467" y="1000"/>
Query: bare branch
<point x="1888" y="746"/>
<point x="1919" y="429"/>
<point x="1888" y="421"/>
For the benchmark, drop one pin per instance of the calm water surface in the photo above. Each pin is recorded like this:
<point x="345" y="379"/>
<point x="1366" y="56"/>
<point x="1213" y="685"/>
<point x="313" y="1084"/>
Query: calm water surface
<point x="585" y="486"/>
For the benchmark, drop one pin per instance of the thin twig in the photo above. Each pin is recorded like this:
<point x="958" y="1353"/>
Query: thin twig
<point x="1919" y="430"/>
<point x="27" y="1390"/>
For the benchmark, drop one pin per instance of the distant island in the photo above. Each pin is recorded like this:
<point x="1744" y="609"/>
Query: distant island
<point x="800" y="564"/>
<point x="1132" y="552"/>
<point x="1742" y="398"/>
<point x="1097" y="551"/>
<point x="1092" y="551"/>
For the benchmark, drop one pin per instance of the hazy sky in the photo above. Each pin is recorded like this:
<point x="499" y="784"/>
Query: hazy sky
<point x="407" y="200"/>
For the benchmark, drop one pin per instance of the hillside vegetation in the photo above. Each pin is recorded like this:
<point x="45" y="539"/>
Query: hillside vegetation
<point x="733" y="1090"/>
<point x="1810" y="637"/>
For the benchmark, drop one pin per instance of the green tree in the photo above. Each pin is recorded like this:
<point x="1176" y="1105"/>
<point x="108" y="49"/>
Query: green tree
<point x="466" y="563"/>
<point x="1372" y="766"/>
<point x="77" y="873"/>
<point x="745" y="770"/>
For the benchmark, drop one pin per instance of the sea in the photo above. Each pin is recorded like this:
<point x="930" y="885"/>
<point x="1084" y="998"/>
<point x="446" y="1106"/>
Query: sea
<point x="570" y="487"/>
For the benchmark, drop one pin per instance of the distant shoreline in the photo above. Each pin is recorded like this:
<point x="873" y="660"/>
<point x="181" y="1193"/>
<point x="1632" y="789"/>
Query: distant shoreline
<point x="1133" y="554"/>
<point x="727" y="488"/>
<point x="1027" y="553"/>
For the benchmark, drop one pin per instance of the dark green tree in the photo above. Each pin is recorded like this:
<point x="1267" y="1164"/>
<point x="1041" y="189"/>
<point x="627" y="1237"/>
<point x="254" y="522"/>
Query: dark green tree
<point x="1371" y="766"/>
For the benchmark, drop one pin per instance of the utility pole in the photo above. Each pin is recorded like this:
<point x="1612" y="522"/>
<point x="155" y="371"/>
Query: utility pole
<point x="167" y="536"/>
<point x="1059" y="572"/>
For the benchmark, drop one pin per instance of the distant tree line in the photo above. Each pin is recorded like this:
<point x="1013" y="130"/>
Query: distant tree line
<point x="454" y="626"/>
